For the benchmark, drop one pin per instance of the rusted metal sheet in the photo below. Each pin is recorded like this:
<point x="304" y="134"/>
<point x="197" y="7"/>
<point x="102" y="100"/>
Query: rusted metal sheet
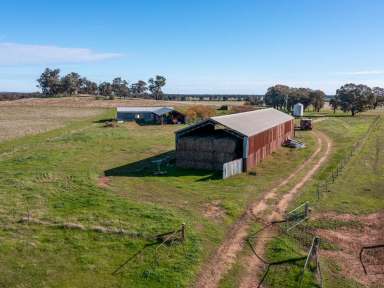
<point x="264" y="143"/>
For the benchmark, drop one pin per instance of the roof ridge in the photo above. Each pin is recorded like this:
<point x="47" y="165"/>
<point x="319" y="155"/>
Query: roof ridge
<point x="246" y="112"/>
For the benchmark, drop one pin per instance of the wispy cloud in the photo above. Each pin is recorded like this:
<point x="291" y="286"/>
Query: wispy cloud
<point x="362" y="72"/>
<point x="21" y="54"/>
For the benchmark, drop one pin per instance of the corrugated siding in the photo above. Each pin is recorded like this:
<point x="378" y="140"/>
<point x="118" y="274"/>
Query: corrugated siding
<point x="232" y="168"/>
<point x="266" y="142"/>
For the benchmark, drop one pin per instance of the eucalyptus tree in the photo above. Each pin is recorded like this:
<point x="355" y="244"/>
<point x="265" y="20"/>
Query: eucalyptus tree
<point x="49" y="82"/>
<point x="155" y="86"/>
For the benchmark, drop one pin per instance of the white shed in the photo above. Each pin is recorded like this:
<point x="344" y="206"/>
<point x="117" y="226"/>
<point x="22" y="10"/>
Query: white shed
<point x="298" y="110"/>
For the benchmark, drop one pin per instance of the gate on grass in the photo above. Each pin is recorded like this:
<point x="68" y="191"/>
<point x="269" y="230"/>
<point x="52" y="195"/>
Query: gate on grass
<point x="296" y="216"/>
<point x="232" y="168"/>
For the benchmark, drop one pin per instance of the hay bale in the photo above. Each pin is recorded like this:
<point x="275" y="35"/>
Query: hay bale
<point x="222" y="157"/>
<point x="225" y="144"/>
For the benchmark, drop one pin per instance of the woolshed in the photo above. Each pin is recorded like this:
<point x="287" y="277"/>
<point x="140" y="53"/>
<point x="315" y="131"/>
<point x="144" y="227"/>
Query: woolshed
<point x="241" y="139"/>
<point x="150" y="115"/>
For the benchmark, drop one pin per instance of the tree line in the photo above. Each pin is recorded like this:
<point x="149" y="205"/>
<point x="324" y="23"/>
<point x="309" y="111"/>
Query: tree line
<point x="52" y="84"/>
<point x="283" y="97"/>
<point x="350" y="97"/>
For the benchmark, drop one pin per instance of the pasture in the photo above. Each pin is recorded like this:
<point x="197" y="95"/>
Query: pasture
<point x="63" y="191"/>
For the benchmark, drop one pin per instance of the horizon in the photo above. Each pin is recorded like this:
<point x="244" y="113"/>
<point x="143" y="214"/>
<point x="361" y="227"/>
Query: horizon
<point x="201" y="48"/>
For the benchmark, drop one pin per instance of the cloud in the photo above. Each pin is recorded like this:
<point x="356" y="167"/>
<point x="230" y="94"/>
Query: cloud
<point x="24" y="54"/>
<point x="362" y="73"/>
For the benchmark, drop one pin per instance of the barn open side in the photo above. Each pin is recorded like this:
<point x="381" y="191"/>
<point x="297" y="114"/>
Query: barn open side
<point x="249" y="136"/>
<point x="150" y="115"/>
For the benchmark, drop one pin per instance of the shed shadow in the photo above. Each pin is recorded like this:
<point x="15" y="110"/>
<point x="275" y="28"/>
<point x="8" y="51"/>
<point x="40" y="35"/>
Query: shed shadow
<point x="150" y="167"/>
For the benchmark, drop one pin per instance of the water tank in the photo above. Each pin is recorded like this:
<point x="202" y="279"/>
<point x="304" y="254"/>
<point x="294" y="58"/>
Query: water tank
<point x="298" y="110"/>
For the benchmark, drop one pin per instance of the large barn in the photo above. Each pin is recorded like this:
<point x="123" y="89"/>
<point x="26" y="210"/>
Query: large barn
<point x="150" y="115"/>
<point x="243" y="139"/>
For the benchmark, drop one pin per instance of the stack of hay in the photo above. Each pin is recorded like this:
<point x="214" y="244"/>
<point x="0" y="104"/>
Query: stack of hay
<point x="206" y="152"/>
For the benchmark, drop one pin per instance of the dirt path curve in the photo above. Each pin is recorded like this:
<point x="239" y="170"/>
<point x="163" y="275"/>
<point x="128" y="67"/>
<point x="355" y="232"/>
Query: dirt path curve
<point x="226" y="254"/>
<point x="255" y="267"/>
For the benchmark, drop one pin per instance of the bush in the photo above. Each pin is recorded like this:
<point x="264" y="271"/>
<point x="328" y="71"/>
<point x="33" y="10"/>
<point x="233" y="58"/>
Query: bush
<point x="199" y="112"/>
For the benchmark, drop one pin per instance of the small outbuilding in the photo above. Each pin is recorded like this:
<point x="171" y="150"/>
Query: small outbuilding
<point x="150" y="115"/>
<point x="298" y="110"/>
<point x="235" y="142"/>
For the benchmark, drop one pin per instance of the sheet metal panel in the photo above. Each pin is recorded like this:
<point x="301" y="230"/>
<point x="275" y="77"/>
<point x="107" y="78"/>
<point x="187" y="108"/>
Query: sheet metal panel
<point x="264" y="143"/>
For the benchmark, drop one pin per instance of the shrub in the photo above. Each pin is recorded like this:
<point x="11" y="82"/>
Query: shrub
<point x="199" y="112"/>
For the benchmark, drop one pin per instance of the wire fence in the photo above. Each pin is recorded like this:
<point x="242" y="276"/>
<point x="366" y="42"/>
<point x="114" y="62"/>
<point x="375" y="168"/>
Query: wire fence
<point x="292" y="246"/>
<point x="325" y="185"/>
<point x="291" y="250"/>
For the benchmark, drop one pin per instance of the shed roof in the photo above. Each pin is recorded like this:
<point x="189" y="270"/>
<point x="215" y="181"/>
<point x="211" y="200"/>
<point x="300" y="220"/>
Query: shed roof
<point x="156" y="110"/>
<point x="249" y="123"/>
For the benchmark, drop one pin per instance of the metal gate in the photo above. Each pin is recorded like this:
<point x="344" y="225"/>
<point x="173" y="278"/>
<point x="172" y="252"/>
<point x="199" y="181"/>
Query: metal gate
<point x="232" y="168"/>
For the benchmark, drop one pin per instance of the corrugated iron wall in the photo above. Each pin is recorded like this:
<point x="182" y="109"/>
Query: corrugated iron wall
<point x="266" y="142"/>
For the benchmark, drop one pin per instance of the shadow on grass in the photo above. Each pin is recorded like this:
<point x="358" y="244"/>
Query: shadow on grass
<point x="105" y="120"/>
<point x="162" y="165"/>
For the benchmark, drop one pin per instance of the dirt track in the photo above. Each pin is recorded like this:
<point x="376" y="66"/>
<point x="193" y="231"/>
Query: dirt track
<point x="226" y="254"/>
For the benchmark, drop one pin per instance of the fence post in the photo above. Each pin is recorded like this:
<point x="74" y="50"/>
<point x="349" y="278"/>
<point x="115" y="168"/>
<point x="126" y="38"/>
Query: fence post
<point x="306" y="209"/>
<point x="183" y="232"/>
<point x="318" y="191"/>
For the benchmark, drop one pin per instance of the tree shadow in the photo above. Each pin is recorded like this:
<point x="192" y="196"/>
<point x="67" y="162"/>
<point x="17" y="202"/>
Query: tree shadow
<point x="162" y="165"/>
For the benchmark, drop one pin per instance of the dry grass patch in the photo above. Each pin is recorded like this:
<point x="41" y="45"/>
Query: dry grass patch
<point x="17" y="121"/>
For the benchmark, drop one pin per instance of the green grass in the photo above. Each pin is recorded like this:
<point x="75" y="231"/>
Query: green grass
<point x="358" y="190"/>
<point x="54" y="175"/>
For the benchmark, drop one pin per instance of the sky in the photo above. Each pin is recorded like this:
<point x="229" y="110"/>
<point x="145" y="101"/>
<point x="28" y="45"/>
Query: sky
<point x="200" y="46"/>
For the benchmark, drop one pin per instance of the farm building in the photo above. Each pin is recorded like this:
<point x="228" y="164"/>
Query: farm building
<point x="150" y="115"/>
<point x="243" y="139"/>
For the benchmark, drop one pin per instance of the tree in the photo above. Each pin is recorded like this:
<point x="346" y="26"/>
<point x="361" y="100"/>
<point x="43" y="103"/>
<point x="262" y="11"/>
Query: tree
<point x="87" y="86"/>
<point x="277" y="96"/>
<point x="139" y="88"/>
<point x="105" y="89"/>
<point x="71" y="83"/>
<point x="120" y="87"/>
<point x="354" y="98"/>
<point x="334" y="104"/>
<point x="317" y="99"/>
<point x="49" y="82"/>
<point x="379" y="96"/>
<point x="155" y="86"/>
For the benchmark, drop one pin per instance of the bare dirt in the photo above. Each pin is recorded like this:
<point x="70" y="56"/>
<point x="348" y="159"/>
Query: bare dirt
<point x="225" y="256"/>
<point x="255" y="266"/>
<point x="350" y="240"/>
<point x="103" y="182"/>
<point x="214" y="211"/>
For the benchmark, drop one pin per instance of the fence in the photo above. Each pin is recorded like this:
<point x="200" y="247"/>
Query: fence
<point x="324" y="186"/>
<point x="232" y="168"/>
<point x="302" y="267"/>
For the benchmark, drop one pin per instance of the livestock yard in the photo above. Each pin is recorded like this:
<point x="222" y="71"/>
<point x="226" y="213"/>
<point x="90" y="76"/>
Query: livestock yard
<point x="83" y="204"/>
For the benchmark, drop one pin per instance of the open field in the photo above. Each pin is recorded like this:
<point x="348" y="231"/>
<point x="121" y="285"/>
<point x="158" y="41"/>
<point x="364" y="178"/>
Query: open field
<point x="78" y="183"/>
<point x="76" y="202"/>
<point x="24" y="120"/>
<point x="91" y="102"/>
